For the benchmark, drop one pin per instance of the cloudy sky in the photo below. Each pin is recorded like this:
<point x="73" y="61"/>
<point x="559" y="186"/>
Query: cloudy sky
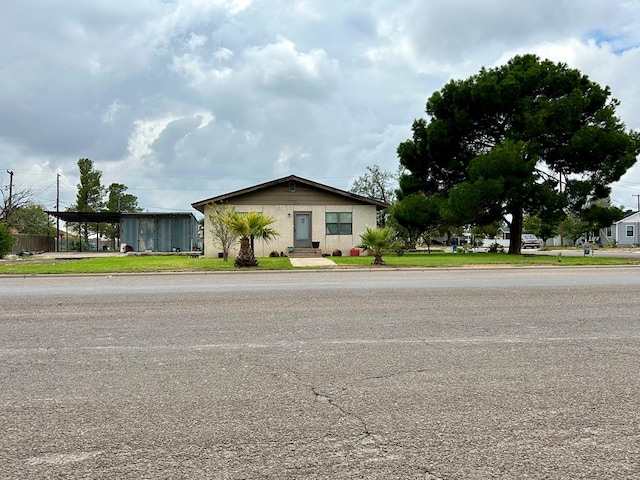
<point x="182" y="100"/>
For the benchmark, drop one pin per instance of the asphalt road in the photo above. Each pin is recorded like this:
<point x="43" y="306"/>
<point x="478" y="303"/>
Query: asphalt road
<point x="511" y="373"/>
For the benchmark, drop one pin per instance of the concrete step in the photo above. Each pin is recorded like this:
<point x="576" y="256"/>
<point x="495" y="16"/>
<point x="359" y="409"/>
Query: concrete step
<point x="299" y="252"/>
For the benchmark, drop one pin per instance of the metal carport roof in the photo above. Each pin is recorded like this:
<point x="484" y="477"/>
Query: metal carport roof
<point x="87" y="217"/>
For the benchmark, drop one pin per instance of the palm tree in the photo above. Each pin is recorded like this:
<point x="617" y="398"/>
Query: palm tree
<point x="378" y="241"/>
<point x="248" y="226"/>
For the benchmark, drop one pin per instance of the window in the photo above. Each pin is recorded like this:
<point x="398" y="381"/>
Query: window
<point x="338" y="223"/>
<point x="292" y="186"/>
<point x="629" y="230"/>
<point x="608" y="232"/>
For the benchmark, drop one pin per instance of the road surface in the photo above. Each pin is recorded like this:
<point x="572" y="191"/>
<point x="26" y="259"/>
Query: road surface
<point x="385" y="374"/>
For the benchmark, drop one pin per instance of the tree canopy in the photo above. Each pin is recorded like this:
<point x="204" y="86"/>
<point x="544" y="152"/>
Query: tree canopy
<point x="90" y="190"/>
<point x="92" y="196"/>
<point x="119" y="201"/>
<point x="414" y="216"/>
<point x="32" y="219"/>
<point x="529" y="137"/>
<point x="376" y="184"/>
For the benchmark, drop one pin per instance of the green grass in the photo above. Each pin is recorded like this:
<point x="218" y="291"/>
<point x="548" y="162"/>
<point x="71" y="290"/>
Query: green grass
<point x="442" y="259"/>
<point x="131" y="264"/>
<point x="160" y="263"/>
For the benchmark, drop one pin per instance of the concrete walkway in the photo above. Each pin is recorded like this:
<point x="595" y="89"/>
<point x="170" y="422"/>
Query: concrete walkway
<point x="312" y="262"/>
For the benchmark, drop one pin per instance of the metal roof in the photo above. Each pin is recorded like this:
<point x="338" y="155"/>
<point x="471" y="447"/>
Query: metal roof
<point x="108" y="217"/>
<point x="87" y="217"/>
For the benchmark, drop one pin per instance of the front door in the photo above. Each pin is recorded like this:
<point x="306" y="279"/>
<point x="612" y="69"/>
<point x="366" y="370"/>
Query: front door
<point x="302" y="230"/>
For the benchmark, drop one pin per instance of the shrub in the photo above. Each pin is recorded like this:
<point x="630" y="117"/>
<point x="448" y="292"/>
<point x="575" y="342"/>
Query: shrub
<point x="7" y="239"/>
<point x="400" y="248"/>
<point x="496" y="248"/>
<point x="337" y="253"/>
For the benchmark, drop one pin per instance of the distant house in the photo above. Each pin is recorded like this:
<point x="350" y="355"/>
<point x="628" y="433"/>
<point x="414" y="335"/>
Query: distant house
<point x="626" y="232"/>
<point x="307" y="215"/>
<point x="504" y="232"/>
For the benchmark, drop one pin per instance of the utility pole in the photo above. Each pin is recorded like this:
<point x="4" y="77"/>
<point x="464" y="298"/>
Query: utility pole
<point x="57" y="212"/>
<point x="561" y="221"/>
<point x="638" y="224"/>
<point x="6" y="214"/>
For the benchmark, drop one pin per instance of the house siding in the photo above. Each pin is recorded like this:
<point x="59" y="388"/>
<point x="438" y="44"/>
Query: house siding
<point x="362" y="216"/>
<point x="621" y="233"/>
<point x="280" y="195"/>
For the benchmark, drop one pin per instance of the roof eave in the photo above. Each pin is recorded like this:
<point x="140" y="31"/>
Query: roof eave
<point x="221" y="198"/>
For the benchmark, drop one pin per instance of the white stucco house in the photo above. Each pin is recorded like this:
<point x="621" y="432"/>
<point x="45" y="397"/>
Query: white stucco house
<point x="307" y="215"/>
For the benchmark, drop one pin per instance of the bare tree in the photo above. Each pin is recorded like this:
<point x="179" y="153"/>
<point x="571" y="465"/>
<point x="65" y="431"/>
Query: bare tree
<point x="376" y="184"/>
<point x="11" y="203"/>
<point x="221" y="231"/>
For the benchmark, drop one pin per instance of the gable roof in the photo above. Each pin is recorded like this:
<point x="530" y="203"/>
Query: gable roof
<point x="227" y="197"/>
<point x="634" y="217"/>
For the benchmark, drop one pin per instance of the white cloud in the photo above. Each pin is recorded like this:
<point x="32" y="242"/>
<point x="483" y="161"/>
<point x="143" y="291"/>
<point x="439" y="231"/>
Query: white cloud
<point x="110" y="115"/>
<point x="246" y="91"/>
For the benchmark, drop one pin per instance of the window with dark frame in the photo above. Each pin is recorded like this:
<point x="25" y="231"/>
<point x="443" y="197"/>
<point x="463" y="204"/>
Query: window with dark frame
<point x="339" y="223"/>
<point x="292" y="186"/>
<point x="629" y="230"/>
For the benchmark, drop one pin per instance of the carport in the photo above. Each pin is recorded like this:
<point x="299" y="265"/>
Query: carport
<point x="85" y="218"/>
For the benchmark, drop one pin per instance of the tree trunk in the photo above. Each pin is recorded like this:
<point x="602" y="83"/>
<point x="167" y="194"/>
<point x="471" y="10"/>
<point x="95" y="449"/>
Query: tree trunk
<point x="515" y="240"/>
<point x="245" y="256"/>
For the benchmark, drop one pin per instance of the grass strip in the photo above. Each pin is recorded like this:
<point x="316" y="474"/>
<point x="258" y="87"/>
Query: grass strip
<point x="146" y="264"/>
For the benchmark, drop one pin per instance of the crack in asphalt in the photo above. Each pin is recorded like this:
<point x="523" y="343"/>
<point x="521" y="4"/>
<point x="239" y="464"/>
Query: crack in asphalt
<point x="366" y="432"/>
<point x="328" y="399"/>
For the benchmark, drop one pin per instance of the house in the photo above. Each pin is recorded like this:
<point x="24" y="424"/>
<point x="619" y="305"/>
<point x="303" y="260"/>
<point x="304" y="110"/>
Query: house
<point x="626" y="232"/>
<point x="307" y="215"/>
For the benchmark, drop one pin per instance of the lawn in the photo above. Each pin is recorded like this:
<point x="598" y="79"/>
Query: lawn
<point x="445" y="259"/>
<point x="152" y="263"/>
<point x="130" y="264"/>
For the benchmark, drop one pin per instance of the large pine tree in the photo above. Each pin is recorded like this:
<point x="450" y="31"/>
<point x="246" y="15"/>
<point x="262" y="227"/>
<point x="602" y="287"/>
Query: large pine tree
<point x="530" y="137"/>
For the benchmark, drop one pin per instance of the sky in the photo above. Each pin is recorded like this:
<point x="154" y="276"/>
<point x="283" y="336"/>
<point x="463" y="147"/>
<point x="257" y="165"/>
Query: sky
<point x="183" y="100"/>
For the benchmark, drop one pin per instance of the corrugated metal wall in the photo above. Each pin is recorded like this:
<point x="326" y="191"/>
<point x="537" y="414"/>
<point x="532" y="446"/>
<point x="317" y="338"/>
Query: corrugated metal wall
<point x="159" y="233"/>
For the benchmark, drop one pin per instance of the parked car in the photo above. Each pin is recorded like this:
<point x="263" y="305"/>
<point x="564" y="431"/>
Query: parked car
<point x="529" y="240"/>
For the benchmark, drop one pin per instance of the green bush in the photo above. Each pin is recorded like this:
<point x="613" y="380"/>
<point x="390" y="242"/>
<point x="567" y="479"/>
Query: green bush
<point x="496" y="248"/>
<point x="7" y="239"/>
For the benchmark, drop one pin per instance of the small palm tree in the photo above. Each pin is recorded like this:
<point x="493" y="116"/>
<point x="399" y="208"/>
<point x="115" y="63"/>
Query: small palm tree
<point x="378" y="241"/>
<point x="248" y="226"/>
